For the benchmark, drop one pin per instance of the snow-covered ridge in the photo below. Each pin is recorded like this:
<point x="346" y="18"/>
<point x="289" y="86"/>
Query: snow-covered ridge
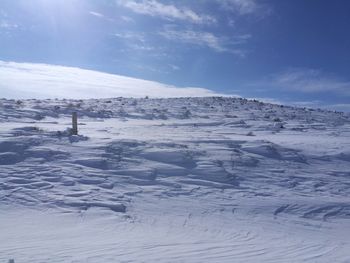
<point x="212" y="179"/>
<point x="28" y="80"/>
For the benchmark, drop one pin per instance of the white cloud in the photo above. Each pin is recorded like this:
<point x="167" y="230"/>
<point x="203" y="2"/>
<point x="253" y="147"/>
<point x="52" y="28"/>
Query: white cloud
<point x="194" y="37"/>
<point x="310" y="81"/>
<point x="205" y="39"/>
<point x="129" y="35"/>
<point x="101" y="16"/>
<point x="7" y="25"/>
<point x="174" y="67"/>
<point x="127" y="19"/>
<point x="25" y="80"/>
<point x="244" y="7"/>
<point x="155" y="8"/>
<point x="96" y="14"/>
<point x="137" y="42"/>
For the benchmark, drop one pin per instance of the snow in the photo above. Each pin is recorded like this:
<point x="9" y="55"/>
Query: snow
<point x="29" y="80"/>
<point x="173" y="180"/>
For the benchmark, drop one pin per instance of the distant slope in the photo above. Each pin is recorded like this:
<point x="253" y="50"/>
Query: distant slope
<point x="26" y="80"/>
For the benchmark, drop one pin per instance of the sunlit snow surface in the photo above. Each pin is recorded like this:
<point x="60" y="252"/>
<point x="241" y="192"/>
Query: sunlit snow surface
<point x="27" y="80"/>
<point x="173" y="180"/>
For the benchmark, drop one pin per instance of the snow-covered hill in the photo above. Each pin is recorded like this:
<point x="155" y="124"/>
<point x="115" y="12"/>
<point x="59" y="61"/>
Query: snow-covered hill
<point x="173" y="180"/>
<point x="28" y="80"/>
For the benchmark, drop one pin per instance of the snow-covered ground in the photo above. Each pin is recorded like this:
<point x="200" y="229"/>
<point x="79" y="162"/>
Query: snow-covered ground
<point x="173" y="180"/>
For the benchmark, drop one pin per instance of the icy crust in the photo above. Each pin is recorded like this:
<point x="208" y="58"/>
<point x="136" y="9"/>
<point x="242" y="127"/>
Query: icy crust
<point x="155" y="159"/>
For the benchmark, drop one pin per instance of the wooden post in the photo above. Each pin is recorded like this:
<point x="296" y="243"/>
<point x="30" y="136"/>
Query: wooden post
<point x="74" y="123"/>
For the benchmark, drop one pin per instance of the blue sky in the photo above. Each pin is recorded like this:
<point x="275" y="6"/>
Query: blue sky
<point x="293" y="51"/>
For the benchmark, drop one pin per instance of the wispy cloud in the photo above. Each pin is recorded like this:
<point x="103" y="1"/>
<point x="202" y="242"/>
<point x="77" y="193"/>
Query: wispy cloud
<point x="310" y="81"/>
<point x="244" y="7"/>
<point x="206" y="39"/>
<point x="127" y="19"/>
<point x="174" y="67"/>
<point x="135" y="41"/>
<point x="141" y="45"/>
<point x="101" y="16"/>
<point x="167" y="11"/>
<point x="7" y="25"/>
<point x="134" y="36"/>
<point x="197" y="38"/>
<point x="96" y="14"/>
<point x="26" y="80"/>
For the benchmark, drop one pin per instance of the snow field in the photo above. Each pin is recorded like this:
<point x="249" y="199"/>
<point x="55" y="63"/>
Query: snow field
<point x="173" y="180"/>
